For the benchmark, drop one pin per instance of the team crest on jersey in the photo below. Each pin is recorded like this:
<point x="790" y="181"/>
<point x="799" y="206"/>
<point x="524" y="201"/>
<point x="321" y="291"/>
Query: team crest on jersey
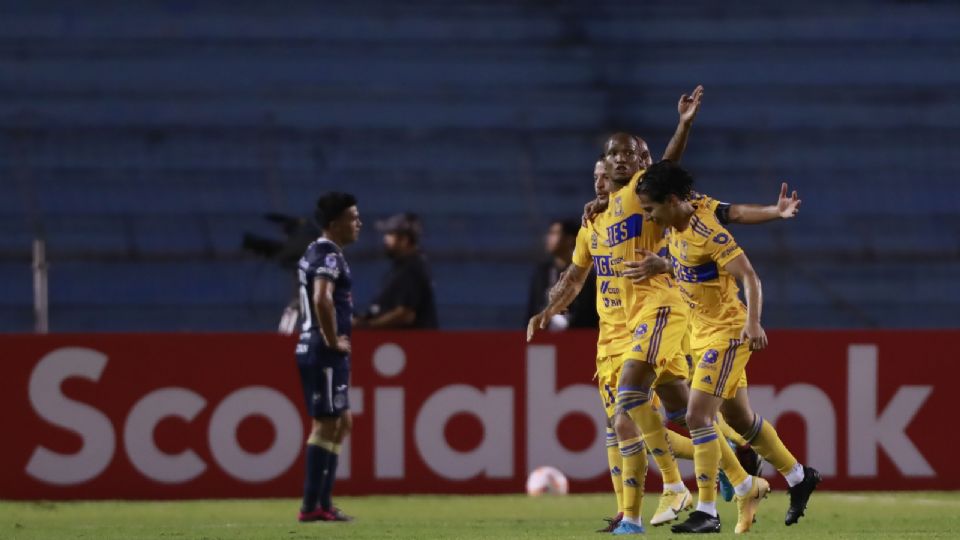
<point x="330" y="261"/>
<point x="710" y="357"/>
<point x="641" y="330"/>
<point x="618" y="207"/>
<point x="683" y="249"/>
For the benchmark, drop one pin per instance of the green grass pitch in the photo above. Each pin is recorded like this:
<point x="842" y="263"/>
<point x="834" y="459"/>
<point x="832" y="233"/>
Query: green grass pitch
<point x="830" y="516"/>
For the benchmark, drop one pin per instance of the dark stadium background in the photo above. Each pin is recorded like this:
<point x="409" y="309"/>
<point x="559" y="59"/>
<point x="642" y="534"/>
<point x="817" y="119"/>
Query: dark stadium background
<point x="140" y="140"/>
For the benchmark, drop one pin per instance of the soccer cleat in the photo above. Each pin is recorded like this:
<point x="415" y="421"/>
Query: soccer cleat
<point x="625" y="527"/>
<point x="698" y="523"/>
<point x="800" y="494"/>
<point x="317" y="514"/>
<point x="337" y="515"/>
<point x="747" y="505"/>
<point x="749" y="459"/>
<point x="670" y="505"/>
<point x="611" y="523"/>
<point x="726" y="488"/>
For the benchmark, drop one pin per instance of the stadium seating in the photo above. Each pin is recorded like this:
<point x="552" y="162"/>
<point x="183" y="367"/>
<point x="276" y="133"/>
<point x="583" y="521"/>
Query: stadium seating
<point x="142" y="141"/>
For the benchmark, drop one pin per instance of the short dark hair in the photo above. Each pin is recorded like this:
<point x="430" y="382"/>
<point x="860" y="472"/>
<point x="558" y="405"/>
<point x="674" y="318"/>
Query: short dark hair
<point x="666" y="178"/>
<point x="570" y="227"/>
<point x="331" y="206"/>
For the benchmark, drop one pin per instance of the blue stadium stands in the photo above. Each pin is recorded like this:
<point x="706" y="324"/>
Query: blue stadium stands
<point x="142" y="139"/>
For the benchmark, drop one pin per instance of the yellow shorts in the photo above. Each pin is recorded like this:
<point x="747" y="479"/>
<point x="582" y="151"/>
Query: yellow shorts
<point x="721" y="368"/>
<point x="608" y="377"/>
<point x="658" y="339"/>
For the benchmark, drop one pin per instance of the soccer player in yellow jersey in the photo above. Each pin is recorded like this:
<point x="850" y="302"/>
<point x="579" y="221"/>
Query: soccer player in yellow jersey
<point x="657" y="318"/>
<point x="625" y="443"/>
<point x="706" y="263"/>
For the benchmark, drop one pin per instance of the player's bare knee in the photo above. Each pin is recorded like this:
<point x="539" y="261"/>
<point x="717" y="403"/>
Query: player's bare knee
<point x="344" y="426"/>
<point x="739" y="418"/>
<point x="674" y="395"/>
<point x="699" y="416"/>
<point x="625" y="427"/>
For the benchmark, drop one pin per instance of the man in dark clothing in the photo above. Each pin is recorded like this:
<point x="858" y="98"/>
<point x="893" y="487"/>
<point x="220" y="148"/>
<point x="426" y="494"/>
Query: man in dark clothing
<point x="406" y="299"/>
<point x="582" y="313"/>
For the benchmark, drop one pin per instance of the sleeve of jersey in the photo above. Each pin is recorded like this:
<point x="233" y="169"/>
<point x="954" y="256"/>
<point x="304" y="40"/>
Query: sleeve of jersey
<point x="720" y="209"/>
<point x="722" y="245"/>
<point x="326" y="266"/>
<point x="581" y="253"/>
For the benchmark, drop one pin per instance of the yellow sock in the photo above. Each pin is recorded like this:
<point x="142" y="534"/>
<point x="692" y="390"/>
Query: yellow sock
<point x="655" y="437"/>
<point x="706" y="462"/>
<point x="729" y="432"/>
<point x="681" y="445"/>
<point x="615" y="460"/>
<point x="634" y="474"/>
<point x="729" y="462"/>
<point x="764" y="439"/>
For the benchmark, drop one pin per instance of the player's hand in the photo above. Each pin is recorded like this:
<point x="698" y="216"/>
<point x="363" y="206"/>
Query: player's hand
<point x="648" y="266"/>
<point x="787" y="207"/>
<point x="343" y="344"/>
<point x="591" y="210"/>
<point x="540" y="321"/>
<point x="689" y="105"/>
<point x="535" y="323"/>
<point x="754" y="335"/>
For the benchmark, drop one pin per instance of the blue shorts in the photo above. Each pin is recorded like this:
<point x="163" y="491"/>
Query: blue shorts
<point x="325" y="378"/>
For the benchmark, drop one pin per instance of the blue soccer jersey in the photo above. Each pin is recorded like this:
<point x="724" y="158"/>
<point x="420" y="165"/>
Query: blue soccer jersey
<point x="324" y="260"/>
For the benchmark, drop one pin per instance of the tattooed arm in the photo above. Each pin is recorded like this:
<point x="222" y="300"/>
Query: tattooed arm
<point x="560" y="296"/>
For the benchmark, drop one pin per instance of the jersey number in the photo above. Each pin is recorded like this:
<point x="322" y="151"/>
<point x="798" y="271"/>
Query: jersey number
<point x="305" y="307"/>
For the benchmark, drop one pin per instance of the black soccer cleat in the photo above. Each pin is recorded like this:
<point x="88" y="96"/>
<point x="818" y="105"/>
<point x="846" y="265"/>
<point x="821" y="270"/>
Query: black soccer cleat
<point x="611" y="523"/>
<point x="698" y="523"/>
<point x="750" y="460"/>
<point x="800" y="494"/>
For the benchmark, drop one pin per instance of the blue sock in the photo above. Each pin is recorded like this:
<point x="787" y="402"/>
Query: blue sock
<point x="313" y="482"/>
<point x="326" y="490"/>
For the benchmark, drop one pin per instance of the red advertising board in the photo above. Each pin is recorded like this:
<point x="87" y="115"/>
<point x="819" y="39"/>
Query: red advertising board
<point x="221" y="415"/>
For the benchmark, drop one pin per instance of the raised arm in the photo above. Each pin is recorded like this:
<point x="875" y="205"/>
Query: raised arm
<point x="751" y="214"/>
<point x="560" y="296"/>
<point x="752" y="332"/>
<point x="687" y="107"/>
<point x="327" y="315"/>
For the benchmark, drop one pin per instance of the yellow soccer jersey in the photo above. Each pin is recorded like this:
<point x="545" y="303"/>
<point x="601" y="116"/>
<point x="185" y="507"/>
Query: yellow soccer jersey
<point x="699" y="255"/>
<point x="590" y="250"/>
<point x="625" y="231"/>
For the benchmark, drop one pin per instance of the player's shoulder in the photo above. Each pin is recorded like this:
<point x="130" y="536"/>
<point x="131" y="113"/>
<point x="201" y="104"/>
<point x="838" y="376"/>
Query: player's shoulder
<point x="323" y="252"/>
<point x="703" y="226"/>
<point x="706" y="213"/>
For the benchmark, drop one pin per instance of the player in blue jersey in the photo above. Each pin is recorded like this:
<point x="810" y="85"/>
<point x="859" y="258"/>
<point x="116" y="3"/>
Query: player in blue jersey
<point x="323" y="351"/>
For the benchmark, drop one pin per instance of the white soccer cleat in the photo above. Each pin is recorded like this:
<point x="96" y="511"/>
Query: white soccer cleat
<point x="670" y="506"/>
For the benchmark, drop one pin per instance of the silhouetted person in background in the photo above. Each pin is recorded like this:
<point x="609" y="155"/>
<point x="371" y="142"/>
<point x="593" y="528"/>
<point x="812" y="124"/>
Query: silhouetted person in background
<point x="406" y="299"/>
<point x="559" y="243"/>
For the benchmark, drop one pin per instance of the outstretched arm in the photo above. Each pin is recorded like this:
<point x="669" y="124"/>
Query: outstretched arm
<point x="687" y="107"/>
<point x="752" y="214"/>
<point x="752" y="332"/>
<point x="560" y="296"/>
